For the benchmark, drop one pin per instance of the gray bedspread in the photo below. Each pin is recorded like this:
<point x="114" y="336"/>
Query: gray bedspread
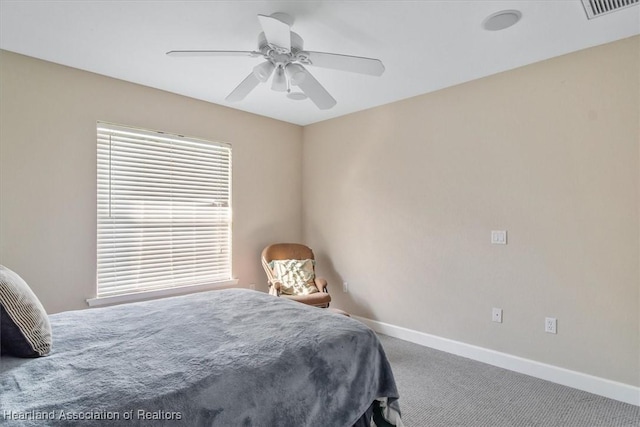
<point x="221" y="358"/>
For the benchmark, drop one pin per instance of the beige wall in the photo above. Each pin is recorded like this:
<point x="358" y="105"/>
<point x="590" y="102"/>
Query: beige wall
<point x="48" y="117"/>
<point x="399" y="201"/>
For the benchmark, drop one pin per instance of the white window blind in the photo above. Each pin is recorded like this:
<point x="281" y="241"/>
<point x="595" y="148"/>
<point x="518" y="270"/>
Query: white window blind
<point x="164" y="211"/>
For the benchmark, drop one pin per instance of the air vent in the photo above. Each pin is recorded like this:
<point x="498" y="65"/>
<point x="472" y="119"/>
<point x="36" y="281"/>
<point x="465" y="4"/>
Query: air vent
<point x="595" y="8"/>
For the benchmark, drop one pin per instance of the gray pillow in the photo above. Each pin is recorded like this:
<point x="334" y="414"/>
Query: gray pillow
<point x="24" y="325"/>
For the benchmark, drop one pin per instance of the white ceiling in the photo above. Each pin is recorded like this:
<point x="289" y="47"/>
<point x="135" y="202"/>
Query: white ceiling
<point x="424" y="45"/>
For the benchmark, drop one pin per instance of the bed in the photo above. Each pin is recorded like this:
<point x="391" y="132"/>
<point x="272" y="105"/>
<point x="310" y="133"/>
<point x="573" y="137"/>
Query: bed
<point x="221" y="358"/>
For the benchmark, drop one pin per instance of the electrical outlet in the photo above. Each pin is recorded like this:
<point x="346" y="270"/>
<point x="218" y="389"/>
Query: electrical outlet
<point x="499" y="237"/>
<point x="345" y="287"/>
<point x="252" y="286"/>
<point x="496" y="315"/>
<point x="551" y="325"/>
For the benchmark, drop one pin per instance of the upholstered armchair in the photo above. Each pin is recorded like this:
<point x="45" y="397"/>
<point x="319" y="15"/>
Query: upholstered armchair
<point x="281" y="261"/>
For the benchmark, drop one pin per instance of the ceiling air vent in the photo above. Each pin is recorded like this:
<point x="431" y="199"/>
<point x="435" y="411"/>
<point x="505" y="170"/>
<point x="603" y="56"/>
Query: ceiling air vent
<point x="595" y="8"/>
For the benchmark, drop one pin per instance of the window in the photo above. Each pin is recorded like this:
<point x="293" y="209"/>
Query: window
<point x="164" y="211"/>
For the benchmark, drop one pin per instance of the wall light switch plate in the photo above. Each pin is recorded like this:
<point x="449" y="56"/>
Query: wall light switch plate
<point x="496" y="315"/>
<point x="499" y="237"/>
<point x="551" y="325"/>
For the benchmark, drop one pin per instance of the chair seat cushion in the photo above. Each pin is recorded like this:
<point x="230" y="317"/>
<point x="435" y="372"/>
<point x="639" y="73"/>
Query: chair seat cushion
<point x="319" y="299"/>
<point x="296" y="276"/>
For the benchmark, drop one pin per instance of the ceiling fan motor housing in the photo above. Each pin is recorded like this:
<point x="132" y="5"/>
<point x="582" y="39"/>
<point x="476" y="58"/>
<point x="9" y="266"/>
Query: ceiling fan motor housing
<point x="269" y="50"/>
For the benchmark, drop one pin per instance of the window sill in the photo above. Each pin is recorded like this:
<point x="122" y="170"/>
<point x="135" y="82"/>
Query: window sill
<point x="140" y="296"/>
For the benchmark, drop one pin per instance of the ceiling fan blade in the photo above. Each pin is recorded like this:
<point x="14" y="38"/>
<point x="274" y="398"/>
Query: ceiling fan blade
<point x="187" y="53"/>
<point x="355" y="64"/>
<point x="243" y="89"/>
<point x="277" y="33"/>
<point x="314" y="90"/>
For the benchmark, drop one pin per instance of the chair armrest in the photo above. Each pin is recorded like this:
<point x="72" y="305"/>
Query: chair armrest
<point x="321" y="284"/>
<point x="274" y="287"/>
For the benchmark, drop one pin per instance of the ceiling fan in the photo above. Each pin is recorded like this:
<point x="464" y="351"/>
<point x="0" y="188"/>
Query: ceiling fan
<point x="284" y="54"/>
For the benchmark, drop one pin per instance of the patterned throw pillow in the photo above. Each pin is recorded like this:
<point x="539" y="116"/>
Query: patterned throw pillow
<point x="296" y="275"/>
<point x="24" y="325"/>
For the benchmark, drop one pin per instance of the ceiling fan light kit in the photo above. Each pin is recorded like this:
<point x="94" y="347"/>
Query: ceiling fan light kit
<point x="295" y="73"/>
<point x="283" y="51"/>
<point x="279" y="83"/>
<point x="263" y="71"/>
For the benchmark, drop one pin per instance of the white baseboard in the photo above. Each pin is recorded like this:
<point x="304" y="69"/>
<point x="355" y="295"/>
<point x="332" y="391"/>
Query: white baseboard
<point x="589" y="383"/>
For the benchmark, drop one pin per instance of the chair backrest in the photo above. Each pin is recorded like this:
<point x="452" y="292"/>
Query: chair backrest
<point x="283" y="251"/>
<point x="287" y="251"/>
